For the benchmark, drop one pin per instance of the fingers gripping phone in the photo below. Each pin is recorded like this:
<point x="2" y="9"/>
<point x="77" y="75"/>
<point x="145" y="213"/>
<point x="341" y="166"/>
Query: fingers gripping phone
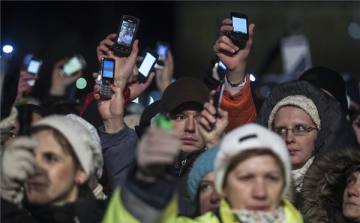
<point x="241" y="27"/>
<point x="107" y="72"/>
<point x="33" y="68"/>
<point x="126" y="35"/>
<point x="150" y="58"/>
<point x="72" y="66"/>
<point x="162" y="49"/>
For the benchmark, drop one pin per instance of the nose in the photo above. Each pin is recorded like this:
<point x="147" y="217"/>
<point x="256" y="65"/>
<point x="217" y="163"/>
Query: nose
<point x="354" y="190"/>
<point x="190" y="125"/>
<point x="289" y="137"/>
<point x="259" y="190"/>
<point x="215" y="198"/>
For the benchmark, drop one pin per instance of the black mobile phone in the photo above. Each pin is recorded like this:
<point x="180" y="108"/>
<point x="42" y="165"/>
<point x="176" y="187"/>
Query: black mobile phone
<point x="218" y="97"/>
<point x="150" y="58"/>
<point x="107" y="72"/>
<point x="126" y="35"/>
<point x="241" y="27"/>
<point x="162" y="49"/>
<point x="33" y="68"/>
<point x="76" y="63"/>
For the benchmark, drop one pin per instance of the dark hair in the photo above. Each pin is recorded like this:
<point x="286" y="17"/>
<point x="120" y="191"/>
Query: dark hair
<point x="235" y="160"/>
<point x="64" y="143"/>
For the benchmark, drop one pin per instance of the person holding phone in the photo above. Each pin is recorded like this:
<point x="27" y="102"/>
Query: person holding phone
<point x="237" y="93"/>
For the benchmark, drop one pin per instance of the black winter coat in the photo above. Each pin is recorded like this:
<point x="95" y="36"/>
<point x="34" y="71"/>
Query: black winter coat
<point x="86" y="209"/>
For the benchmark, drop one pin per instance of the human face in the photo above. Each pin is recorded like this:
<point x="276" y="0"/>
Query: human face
<point x="351" y="198"/>
<point x="209" y="199"/>
<point x="15" y="130"/>
<point x="55" y="179"/>
<point x="255" y="184"/>
<point x="185" y="122"/>
<point x="300" y="147"/>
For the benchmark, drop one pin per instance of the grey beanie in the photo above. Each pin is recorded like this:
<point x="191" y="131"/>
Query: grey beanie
<point x="300" y="101"/>
<point x="87" y="151"/>
<point x="94" y="134"/>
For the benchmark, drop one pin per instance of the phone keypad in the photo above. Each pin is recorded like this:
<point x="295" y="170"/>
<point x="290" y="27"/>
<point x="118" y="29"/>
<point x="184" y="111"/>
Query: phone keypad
<point x="105" y="91"/>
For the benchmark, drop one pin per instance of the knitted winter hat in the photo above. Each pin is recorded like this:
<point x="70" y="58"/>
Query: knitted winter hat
<point x="183" y="90"/>
<point x="203" y="165"/>
<point x="86" y="150"/>
<point x="248" y="137"/>
<point x="329" y="80"/>
<point x="300" y="101"/>
<point x="94" y="135"/>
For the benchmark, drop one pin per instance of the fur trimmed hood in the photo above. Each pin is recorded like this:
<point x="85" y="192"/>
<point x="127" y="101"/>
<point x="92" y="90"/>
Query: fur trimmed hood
<point x="323" y="185"/>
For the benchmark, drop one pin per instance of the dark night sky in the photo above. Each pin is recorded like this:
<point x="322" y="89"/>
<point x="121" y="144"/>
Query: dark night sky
<point x="54" y="30"/>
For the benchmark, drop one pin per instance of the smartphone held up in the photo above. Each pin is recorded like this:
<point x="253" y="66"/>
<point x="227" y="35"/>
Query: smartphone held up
<point x="126" y="35"/>
<point x="33" y="69"/>
<point x="162" y="49"/>
<point x="74" y="65"/>
<point x="241" y="27"/>
<point x="148" y="63"/>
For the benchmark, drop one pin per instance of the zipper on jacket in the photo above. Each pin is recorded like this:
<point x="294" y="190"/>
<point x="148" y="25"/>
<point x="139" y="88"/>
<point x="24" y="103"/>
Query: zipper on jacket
<point x="183" y="164"/>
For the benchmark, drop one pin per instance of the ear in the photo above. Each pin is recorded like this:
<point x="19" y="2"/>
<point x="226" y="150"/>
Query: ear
<point x="81" y="177"/>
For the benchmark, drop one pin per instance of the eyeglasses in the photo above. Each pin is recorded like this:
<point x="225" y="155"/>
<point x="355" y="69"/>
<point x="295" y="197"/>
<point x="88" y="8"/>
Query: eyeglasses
<point x="298" y="130"/>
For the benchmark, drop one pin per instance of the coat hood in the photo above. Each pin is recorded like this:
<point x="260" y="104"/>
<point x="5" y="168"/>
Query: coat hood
<point x="335" y="130"/>
<point x="324" y="184"/>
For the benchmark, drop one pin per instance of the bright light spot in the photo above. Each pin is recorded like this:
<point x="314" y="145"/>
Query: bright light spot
<point x="7" y="49"/>
<point x="354" y="30"/>
<point x="136" y="100"/>
<point x="252" y="78"/>
<point x="151" y="100"/>
<point x="264" y="90"/>
<point x="81" y="83"/>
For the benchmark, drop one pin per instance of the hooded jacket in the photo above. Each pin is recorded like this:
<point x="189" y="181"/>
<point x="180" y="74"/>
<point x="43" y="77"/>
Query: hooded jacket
<point x="323" y="186"/>
<point x="335" y="129"/>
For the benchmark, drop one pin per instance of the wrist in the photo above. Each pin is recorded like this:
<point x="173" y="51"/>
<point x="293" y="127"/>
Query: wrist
<point x="121" y="84"/>
<point x="113" y="125"/>
<point x="236" y="76"/>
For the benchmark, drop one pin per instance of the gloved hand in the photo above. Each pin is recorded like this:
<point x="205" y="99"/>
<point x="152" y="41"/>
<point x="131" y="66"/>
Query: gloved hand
<point x="18" y="164"/>
<point x="157" y="149"/>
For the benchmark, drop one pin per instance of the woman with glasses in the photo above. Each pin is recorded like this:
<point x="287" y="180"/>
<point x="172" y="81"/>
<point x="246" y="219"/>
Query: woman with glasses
<point x="309" y="121"/>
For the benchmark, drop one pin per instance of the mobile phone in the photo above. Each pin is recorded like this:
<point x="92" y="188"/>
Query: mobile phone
<point x="76" y="63"/>
<point x="126" y="35"/>
<point x="150" y="58"/>
<point x="218" y="97"/>
<point x="107" y="72"/>
<point x="162" y="49"/>
<point x="241" y="27"/>
<point x="33" y="68"/>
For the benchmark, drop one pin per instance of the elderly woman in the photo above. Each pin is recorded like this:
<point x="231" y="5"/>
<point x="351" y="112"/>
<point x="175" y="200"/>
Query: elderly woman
<point x="54" y="167"/>
<point x="309" y="121"/>
<point x="252" y="174"/>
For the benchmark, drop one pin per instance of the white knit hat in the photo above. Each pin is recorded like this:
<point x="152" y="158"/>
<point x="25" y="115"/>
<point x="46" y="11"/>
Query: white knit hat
<point x="94" y="134"/>
<point x="249" y="137"/>
<point x="300" y="101"/>
<point x="87" y="151"/>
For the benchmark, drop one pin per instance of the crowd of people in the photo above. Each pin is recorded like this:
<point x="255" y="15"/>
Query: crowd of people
<point x="297" y="159"/>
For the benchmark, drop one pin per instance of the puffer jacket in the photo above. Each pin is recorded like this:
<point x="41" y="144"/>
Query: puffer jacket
<point x="324" y="184"/>
<point x="335" y="129"/>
